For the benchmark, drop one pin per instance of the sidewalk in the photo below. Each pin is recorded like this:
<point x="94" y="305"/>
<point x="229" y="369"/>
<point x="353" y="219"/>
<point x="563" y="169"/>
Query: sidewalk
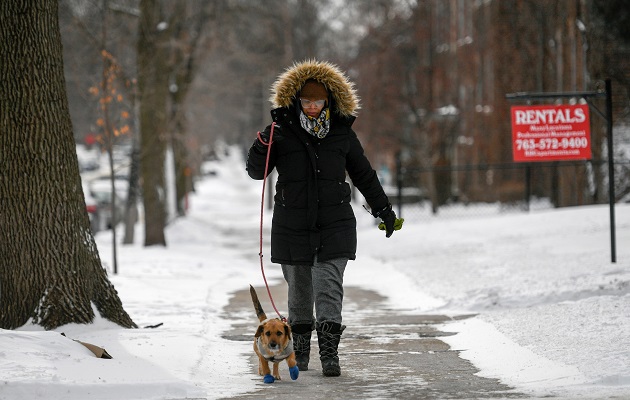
<point x="382" y="356"/>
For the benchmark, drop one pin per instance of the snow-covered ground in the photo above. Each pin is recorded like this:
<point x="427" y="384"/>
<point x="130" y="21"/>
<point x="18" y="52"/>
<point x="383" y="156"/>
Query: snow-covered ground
<point x="552" y="310"/>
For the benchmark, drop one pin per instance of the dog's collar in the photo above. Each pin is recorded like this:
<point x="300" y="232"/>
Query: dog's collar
<point x="286" y="352"/>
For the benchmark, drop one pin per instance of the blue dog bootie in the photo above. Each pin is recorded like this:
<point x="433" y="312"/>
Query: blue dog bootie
<point x="295" y="372"/>
<point x="269" y="378"/>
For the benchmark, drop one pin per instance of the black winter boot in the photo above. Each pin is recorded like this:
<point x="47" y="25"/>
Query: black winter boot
<point x="302" y="344"/>
<point x="328" y="336"/>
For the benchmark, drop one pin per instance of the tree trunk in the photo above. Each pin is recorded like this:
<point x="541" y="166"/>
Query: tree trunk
<point x="50" y="270"/>
<point x="131" y="208"/>
<point x="153" y="91"/>
<point x="189" y="20"/>
<point x="181" y="177"/>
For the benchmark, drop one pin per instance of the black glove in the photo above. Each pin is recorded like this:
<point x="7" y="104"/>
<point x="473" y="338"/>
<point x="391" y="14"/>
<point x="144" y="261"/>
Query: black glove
<point x="390" y="222"/>
<point x="264" y="137"/>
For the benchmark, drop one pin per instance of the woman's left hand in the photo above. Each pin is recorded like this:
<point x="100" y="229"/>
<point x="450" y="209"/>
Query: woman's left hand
<point x="390" y="222"/>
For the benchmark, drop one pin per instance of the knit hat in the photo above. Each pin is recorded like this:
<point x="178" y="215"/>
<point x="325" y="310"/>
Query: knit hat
<point x="314" y="90"/>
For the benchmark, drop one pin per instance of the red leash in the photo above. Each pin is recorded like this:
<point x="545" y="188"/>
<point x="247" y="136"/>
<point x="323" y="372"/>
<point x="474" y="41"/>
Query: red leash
<point x="262" y="206"/>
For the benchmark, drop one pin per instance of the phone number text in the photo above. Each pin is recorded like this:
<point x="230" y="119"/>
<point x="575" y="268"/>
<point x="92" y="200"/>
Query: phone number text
<point x="551" y="144"/>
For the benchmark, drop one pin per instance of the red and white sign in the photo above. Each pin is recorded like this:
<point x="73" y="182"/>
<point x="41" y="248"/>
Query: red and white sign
<point x="551" y="133"/>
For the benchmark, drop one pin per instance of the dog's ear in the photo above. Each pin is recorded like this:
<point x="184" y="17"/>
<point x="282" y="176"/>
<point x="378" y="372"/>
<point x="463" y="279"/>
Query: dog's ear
<point x="260" y="330"/>
<point x="287" y="330"/>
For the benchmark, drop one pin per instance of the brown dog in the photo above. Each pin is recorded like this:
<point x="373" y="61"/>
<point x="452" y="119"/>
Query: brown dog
<point x="273" y="342"/>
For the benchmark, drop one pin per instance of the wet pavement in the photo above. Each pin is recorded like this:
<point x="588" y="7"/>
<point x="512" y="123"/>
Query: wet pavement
<point x="383" y="355"/>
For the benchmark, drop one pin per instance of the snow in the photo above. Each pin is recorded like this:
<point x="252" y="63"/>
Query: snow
<point x="551" y="309"/>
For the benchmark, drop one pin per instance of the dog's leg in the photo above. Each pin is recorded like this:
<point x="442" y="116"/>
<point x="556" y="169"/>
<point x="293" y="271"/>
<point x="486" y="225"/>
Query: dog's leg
<point x="260" y="360"/>
<point x="291" y="360"/>
<point x="265" y="371"/>
<point x="276" y="373"/>
<point x="294" y="371"/>
<point x="264" y="364"/>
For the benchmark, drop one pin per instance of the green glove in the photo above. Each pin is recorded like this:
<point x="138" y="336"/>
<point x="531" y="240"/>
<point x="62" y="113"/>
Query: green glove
<point x="398" y="223"/>
<point x="389" y="222"/>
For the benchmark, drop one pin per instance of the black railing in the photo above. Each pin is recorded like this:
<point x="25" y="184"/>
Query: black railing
<point x="498" y="188"/>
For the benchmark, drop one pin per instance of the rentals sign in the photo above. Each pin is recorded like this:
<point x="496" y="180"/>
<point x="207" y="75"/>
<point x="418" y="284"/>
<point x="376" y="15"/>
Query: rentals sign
<point x="551" y="133"/>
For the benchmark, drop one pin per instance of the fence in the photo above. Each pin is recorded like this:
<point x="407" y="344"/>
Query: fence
<point x="473" y="190"/>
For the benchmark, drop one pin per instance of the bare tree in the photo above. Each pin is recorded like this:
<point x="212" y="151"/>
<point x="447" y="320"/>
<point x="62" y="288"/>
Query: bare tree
<point x="50" y="270"/>
<point x="153" y="96"/>
<point x="169" y="34"/>
<point x="101" y="30"/>
<point x="187" y="45"/>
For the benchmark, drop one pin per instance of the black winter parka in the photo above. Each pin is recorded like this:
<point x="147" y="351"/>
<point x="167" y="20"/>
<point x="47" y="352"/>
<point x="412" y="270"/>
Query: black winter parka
<point x="312" y="213"/>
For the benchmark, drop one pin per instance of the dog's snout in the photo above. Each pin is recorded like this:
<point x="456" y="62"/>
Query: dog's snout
<point x="273" y="344"/>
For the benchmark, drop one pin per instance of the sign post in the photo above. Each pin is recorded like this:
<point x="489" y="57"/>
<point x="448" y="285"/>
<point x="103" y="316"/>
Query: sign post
<point x="551" y="132"/>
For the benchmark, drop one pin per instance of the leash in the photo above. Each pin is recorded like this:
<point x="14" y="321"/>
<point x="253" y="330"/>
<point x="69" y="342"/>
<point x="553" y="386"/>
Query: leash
<point x="262" y="207"/>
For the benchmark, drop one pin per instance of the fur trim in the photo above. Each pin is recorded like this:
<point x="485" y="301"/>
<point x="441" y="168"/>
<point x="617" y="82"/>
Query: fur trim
<point x="287" y="86"/>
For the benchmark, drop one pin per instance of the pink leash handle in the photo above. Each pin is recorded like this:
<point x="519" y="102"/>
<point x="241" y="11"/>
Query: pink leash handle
<point x="262" y="207"/>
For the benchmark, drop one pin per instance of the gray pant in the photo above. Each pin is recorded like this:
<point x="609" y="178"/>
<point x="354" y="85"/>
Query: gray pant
<point x="321" y="285"/>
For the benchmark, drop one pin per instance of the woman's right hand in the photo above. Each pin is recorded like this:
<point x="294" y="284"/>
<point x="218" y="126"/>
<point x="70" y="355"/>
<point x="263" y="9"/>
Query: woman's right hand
<point x="262" y="142"/>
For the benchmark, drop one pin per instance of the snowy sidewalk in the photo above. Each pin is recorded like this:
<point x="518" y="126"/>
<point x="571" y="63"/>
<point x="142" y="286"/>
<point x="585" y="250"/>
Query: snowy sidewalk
<point x="383" y="355"/>
<point x="551" y="311"/>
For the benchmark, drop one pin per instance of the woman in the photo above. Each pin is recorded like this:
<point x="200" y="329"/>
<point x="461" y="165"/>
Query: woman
<point x="313" y="233"/>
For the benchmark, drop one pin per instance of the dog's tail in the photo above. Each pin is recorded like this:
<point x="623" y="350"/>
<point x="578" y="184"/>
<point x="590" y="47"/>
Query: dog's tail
<point x="259" y="311"/>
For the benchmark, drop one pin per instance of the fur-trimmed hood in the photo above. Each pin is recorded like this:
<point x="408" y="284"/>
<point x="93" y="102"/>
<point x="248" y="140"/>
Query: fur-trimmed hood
<point x="286" y="88"/>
